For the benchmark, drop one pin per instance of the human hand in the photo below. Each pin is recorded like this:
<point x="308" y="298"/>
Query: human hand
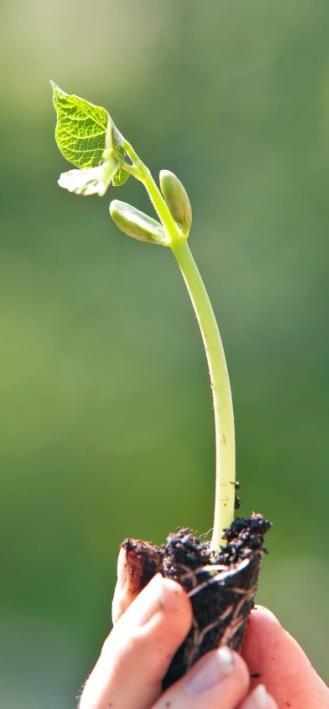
<point x="275" y="658"/>
<point x="149" y="629"/>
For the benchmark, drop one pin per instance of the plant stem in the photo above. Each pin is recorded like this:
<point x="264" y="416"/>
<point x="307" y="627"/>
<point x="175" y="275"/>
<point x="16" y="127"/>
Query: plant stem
<point x="221" y="391"/>
<point x="219" y="378"/>
<point x="142" y="172"/>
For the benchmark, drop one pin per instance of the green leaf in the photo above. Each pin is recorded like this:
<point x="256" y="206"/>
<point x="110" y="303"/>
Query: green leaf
<point x="177" y="200"/>
<point x="81" y="130"/>
<point x="135" y="223"/>
<point x="120" y="177"/>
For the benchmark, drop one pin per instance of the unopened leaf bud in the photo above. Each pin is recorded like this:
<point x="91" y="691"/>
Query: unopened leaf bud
<point x="177" y="200"/>
<point x="135" y="223"/>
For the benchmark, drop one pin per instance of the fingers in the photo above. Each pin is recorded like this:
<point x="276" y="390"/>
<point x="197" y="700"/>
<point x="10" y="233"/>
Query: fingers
<point x="219" y="680"/>
<point x="281" y="664"/>
<point x="138" y="562"/>
<point x="259" y="699"/>
<point x="124" y="592"/>
<point x="137" y="653"/>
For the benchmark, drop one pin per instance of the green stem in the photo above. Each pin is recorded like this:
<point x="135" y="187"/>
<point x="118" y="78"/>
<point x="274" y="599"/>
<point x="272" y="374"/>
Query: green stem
<point x="145" y="176"/>
<point x="219" y="378"/>
<point x="221" y="392"/>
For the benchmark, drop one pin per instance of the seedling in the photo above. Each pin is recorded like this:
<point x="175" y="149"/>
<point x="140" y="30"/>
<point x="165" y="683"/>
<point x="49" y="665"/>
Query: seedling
<point x="222" y="576"/>
<point x="88" y="138"/>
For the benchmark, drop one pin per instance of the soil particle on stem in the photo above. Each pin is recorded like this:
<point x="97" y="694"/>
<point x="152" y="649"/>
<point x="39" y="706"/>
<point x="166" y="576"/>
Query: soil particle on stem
<point x="221" y="585"/>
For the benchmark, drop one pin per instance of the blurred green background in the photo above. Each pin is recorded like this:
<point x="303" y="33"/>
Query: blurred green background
<point x="106" y="426"/>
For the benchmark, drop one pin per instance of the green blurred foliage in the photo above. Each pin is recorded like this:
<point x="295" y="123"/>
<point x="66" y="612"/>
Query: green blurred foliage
<point x="106" y="414"/>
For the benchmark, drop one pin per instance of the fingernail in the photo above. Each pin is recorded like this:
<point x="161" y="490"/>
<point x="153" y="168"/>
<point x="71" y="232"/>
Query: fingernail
<point x="209" y="671"/>
<point x="119" y="597"/>
<point x="122" y="571"/>
<point x="258" y="699"/>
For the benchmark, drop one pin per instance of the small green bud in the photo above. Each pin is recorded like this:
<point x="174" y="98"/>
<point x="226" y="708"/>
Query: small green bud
<point x="177" y="200"/>
<point x="121" y="176"/>
<point x="135" y="223"/>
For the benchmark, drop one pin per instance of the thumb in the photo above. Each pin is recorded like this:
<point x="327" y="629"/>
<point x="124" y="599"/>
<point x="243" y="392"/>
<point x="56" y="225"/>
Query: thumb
<point x="138" y="562"/>
<point x="280" y="663"/>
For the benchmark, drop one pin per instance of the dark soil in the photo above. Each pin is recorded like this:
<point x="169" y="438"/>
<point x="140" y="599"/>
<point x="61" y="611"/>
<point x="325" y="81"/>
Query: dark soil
<point x="221" y="586"/>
